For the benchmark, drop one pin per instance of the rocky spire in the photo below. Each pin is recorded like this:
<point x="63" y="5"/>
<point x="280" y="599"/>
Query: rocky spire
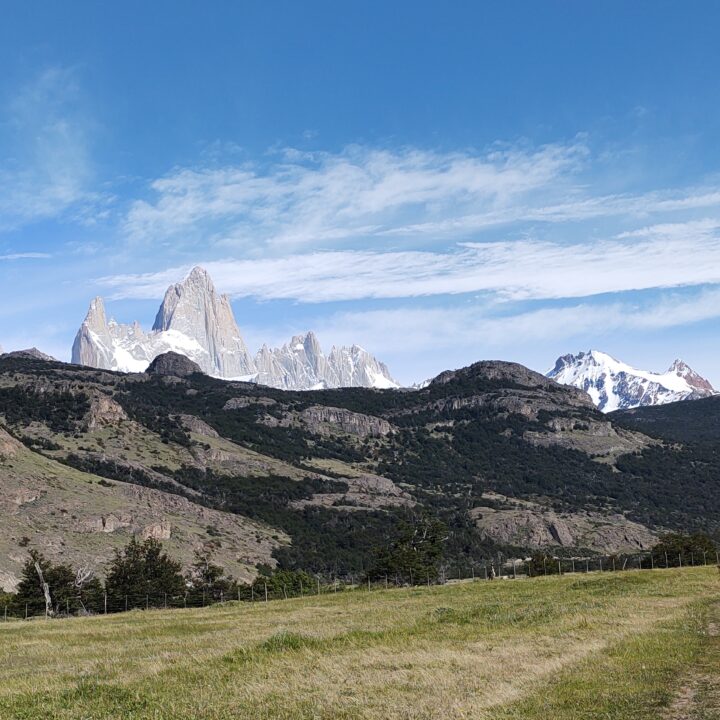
<point x="93" y="344"/>
<point x="195" y="309"/>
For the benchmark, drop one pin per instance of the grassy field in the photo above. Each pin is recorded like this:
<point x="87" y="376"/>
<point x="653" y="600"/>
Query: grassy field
<point x="615" y="645"/>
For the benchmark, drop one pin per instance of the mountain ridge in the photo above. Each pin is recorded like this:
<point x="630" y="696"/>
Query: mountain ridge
<point x="196" y="321"/>
<point x="614" y="385"/>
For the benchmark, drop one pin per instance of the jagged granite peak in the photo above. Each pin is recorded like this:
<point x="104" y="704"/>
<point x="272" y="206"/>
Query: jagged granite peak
<point x="193" y="320"/>
<point x="173" y="364"/>
<point x="356" y="367"/>
<point x="297" y="365"/>
<point x="301" y="364"/>
<point x="696" y="381"/>
<point x="614" y="385"/>
<point x="194" y="308"/>
<point x="196" y="321"/>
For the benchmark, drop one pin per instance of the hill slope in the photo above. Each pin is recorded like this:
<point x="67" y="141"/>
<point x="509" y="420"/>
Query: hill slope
<point x="337" y="470"/>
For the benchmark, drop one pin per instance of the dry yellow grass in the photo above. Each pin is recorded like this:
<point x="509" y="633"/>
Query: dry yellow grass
<point x="471" y="650"/>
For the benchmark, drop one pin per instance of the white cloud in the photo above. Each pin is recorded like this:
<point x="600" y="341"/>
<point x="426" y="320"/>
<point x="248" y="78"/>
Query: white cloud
<point x="45" y="167"/>
<point x="25" y="256"/>
<point x="663" y="256"/>
<point x="433" y="337"/>
<point x="360" y="192"/>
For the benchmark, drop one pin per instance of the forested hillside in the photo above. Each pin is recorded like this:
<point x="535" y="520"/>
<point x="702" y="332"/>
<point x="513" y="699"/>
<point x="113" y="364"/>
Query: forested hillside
<point x="507" y="459"/>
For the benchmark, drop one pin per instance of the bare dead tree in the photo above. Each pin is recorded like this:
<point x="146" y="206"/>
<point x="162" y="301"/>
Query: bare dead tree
<point x="83" y="576"/>
<point x="46" y="590"/>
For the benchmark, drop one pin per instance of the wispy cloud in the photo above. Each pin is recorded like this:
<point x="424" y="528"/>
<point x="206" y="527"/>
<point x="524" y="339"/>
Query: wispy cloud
<point x="663" y="256"/>
<point x="25" y="256"/>
<point x="363" y="195"/>
<point x="45" y="166"/>
<point x="471" y="329"/>
<point x="318" y="197"/>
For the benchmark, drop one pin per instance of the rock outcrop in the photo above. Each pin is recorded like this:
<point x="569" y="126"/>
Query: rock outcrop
<point x="195" y="425"/>
<point x="327" y="420"/>
<point x="528" y="524"/>
<point x="173" y="364"/>
<point x="106" y="523"/>
<point x="103" y="411"/>
<point x="9" y="446"/>
<point x="240" y="403"/>
<point x="364" y="492"/>
<point x="157" y="531"/>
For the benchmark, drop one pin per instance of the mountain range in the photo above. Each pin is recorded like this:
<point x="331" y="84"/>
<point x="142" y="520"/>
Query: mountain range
<point x="196" y="321"/>
<point x="614" y="385"/>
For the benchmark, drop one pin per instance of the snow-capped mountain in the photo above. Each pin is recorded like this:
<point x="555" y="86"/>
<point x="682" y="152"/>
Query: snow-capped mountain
<point x="195" y="321"/>
<point x="614" y="385"/>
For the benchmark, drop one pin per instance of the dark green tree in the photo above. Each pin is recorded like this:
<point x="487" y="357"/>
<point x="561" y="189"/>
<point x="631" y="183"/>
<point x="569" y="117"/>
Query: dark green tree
<point x="279" y="584"/>
<point x="207" y="581"/>
<point x="414" y="556"/>
<point x="69" y="590"/>
<point x="142" y="575"/>
<point x="677" y="548"/>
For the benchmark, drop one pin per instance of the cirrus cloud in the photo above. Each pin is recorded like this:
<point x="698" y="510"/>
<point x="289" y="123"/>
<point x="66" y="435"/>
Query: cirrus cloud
<point x="663" y="256"/>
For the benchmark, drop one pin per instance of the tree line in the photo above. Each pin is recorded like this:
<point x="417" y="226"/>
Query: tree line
<point x="142" y="575"/>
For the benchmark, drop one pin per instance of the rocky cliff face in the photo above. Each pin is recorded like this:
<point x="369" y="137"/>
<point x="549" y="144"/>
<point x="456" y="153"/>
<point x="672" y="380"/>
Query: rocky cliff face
<point x="193" y="309"/>
<point x="301" y="364"/>
<point x="614" y="385"/>
<point x="530" y="525"/>
<point x="197" y="322"/>
<point x="325" y="420"/>
<point x="193" y="320"/>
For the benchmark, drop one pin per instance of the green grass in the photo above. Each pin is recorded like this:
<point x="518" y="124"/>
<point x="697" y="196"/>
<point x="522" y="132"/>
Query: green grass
<point x="608" y="645"/>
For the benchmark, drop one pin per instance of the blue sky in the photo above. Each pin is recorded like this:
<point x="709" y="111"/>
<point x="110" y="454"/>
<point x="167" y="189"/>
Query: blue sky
<point x="438" y="182"/>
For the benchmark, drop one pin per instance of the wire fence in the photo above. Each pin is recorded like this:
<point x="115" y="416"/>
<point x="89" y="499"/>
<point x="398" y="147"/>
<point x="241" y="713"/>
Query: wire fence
<point x="484" y="569"/>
